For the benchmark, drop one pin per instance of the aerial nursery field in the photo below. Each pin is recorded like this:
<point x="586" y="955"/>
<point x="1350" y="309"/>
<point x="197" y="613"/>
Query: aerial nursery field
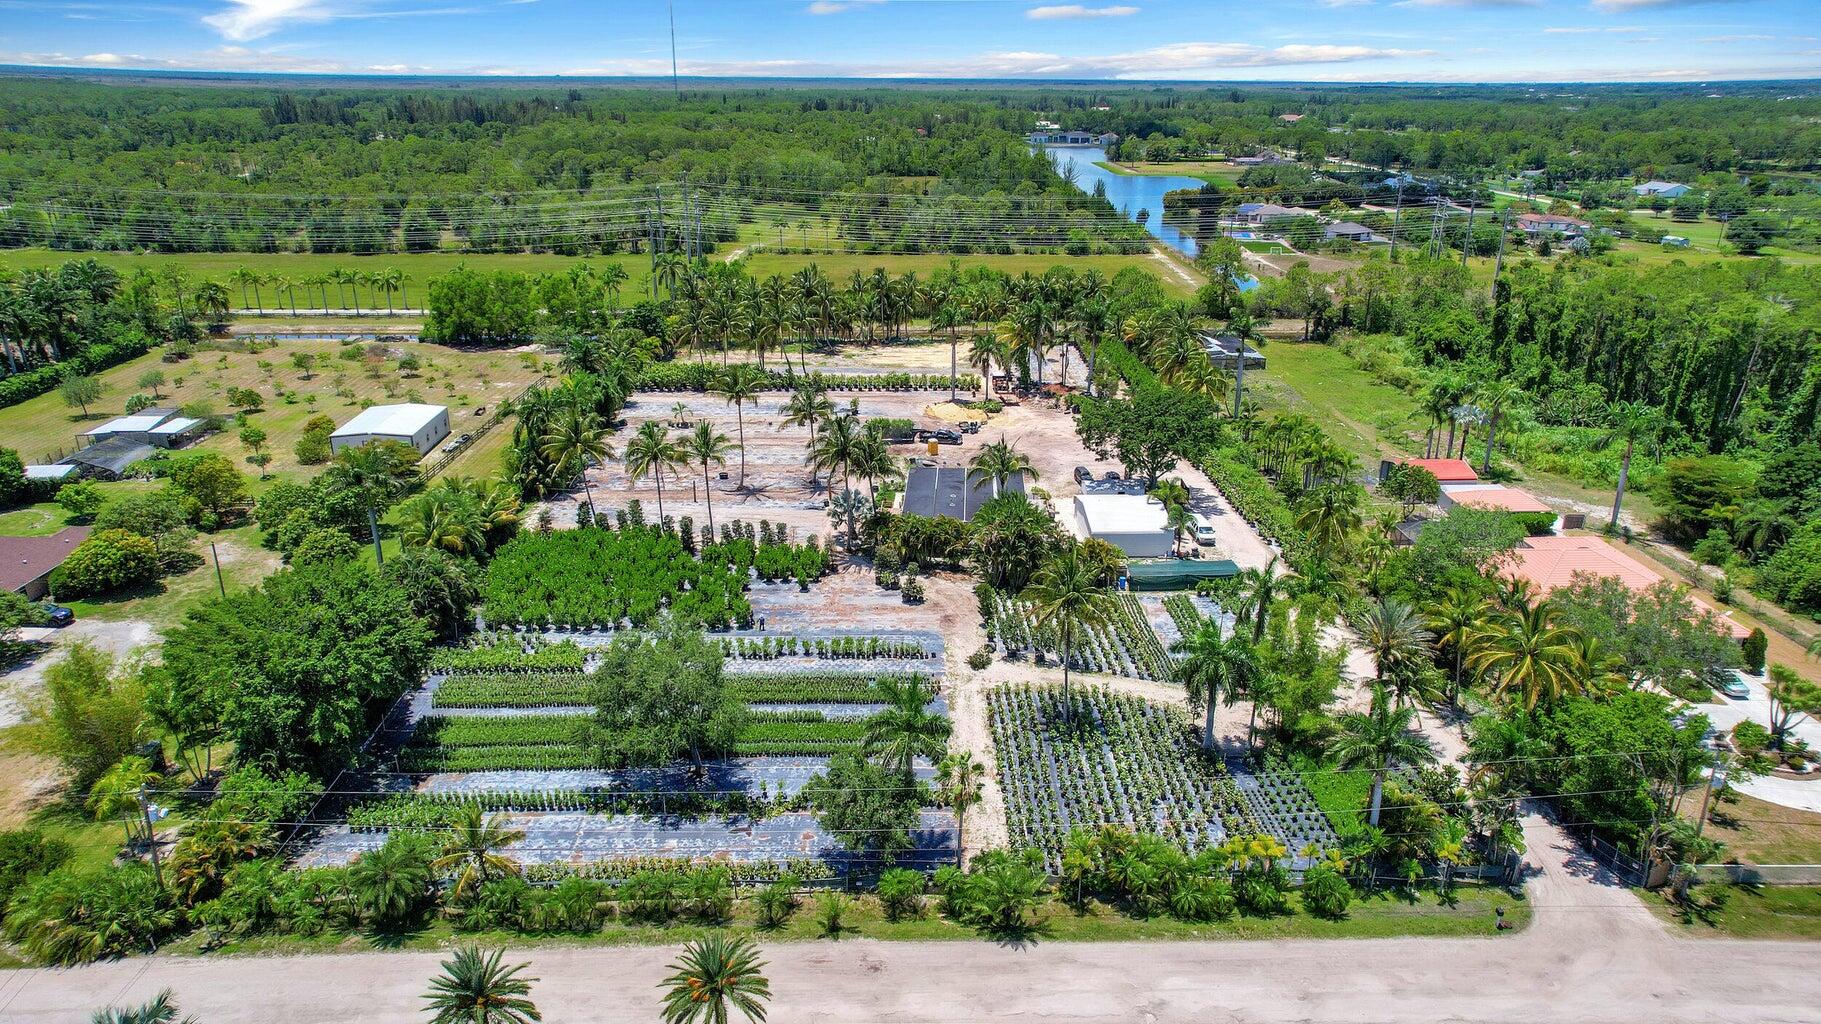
<point x="341" y="380"/>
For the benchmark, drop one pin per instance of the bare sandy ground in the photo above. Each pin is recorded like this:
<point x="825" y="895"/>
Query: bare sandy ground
<point x="1593" y="954"/>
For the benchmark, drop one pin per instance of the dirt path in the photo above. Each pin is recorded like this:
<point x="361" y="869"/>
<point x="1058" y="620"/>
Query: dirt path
<point x="1175" y="269"/>
<point x="1593" y="954"/>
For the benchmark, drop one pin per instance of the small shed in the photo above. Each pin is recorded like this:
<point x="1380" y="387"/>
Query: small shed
<point x="1133" y="523"/>
<point x="111" y="458"/>
<point x="940" y="491"/>
<point x="420" y="426"/>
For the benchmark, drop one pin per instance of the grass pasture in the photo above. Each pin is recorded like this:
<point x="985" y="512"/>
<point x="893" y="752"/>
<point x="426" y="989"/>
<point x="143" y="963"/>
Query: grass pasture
<point x="1216" y="172"/>
<point x="338" y="387"/>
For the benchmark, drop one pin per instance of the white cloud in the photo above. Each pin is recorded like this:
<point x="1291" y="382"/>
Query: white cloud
<point x="1582" y="30"/>
<point x="1639" y="5"/>
<point x="1060" y="11"/>
<point x="838" y="6"/>
<point x="251" y="19"/>
<point x="104" y="59"/>
<point x="1345" y="3"/>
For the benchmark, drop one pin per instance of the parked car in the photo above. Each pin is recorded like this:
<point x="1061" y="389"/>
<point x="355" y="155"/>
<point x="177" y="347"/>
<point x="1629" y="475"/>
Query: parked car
<point x="1083" y="475"/>
<point x="1204" y="532"/>
<point x="1732" y="684"/>
<point x="458" y="443"/>
<point x="480" y="410"/>
<point x="945" y="436"/>
<point x="56" y="615"/>
<point x="1111" y="475"/>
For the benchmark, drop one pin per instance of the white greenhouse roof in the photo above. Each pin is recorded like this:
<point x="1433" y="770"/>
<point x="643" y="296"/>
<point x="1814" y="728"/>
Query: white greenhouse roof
<point x="53" y="472"/>
<point x="1122" y="513"/>
<point x="175" y="426"/>
<point x="136" y="423"/>
<point x="401" y="420"/>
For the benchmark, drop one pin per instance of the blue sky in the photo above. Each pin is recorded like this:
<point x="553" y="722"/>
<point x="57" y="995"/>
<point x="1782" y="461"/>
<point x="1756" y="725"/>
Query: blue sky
<point x="1303" y="40"/>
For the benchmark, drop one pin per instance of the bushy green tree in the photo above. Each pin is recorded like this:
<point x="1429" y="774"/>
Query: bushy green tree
<point x="106" y="562"/>
<point x="662" y="697"/>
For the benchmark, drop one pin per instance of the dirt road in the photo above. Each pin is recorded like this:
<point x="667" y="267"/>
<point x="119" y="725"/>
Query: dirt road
<point x="1593" y="954"/>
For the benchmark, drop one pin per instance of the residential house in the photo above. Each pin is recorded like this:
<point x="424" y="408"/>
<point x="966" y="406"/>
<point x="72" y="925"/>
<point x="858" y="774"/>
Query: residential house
<point x="1538" y="225"/>
<point x="1551" y="563"/>
<point x="1661" y="190"/>
<point x="26" y="563"/>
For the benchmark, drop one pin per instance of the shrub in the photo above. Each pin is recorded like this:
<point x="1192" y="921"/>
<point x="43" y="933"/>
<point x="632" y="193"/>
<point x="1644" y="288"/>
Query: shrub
<point x="980" y="659"/>
<point x="831" y="914"/>
<point x="107" y="562"/>
<point x="1750" y="737"/>
<point x="68" y="918"/>
<point x="776" y="902"/>
<point x="1753" y="648"/>
<point x="81" y="499"/>
<point x="901" y="893"/>
<point x="913" y="590"/>
<point x="1325" y="893"/>
<point x="26" y="854"/>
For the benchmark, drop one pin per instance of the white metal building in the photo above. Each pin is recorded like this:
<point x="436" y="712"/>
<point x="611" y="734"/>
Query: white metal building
<point x="420" y="426"/>
<point x="161" y="427"/>
<point x="1133" y="523"/>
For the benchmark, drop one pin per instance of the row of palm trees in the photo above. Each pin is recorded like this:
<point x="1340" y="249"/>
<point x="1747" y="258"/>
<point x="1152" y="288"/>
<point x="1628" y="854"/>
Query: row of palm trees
<point x="348" y="281"/>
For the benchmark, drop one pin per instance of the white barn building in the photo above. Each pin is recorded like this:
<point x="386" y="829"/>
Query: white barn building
<point x="1133" y="523"/>
<point x="420" y="426"/>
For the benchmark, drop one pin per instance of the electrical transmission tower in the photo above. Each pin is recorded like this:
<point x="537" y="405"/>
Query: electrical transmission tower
<point x="1438" y="228"/>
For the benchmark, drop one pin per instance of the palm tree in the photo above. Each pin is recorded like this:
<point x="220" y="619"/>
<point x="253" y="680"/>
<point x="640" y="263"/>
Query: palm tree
<point x="390" y="881"/>
<point x="1495" y="397"/>
<point x="1241" y="325"/>
<point x="1394" y="633"/>
<point x="443" y="517"/>
<point x="1069" y="592"/>
<point x="652" y="452"/>
<point x="475" y="988"/>
<point x="573" y="443"/>
<point x="1329" y="518"/>
<point x="949" y="317"/>
<point x="1530" y="653"/>
<point x="739" y="385"/>
<point x="1215" y="666"/>
<point x="390" y="281"/>
<point x="980" y="355"/>
<point x="1631" y="421"/>
<point x="703" y="446"/>
<point x="1175" y="499"/>
<point x="1457" y="618"/>
<point x="959" y="780"/>
<point x="713" y="975"/>
<point x="244" y="277"/>
<point x="161" y="1009"/>
<point x="808" y="406"/>
<point x="1257" y="589"/>
<point x="1000" y="462"/>
<point x="379" y="473"/>
<point x="1378" y="740"/>
<point x="836" y="449"/>
<point x="906" y="729"/>
<point x="873" y="462"/>
<point x="472" y="851"/>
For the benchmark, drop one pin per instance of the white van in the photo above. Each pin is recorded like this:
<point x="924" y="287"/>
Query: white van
<point x="1204" y="531"/>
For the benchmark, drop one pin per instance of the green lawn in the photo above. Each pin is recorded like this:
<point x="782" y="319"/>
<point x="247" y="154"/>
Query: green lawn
<point x="342" y="382"/>
<point x="1363" y="415"/>
<point x="244" y="563"/>
<point x="1744" y="912"/>
<point x="1471" y="913"/>
<point x="1216" y="172"/>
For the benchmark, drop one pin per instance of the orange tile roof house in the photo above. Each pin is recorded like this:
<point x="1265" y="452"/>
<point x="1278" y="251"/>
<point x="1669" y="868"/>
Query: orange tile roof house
<point x="1446" y="471"/>
<point x="1493" y="497"/>
<point x="1550" y="563"/>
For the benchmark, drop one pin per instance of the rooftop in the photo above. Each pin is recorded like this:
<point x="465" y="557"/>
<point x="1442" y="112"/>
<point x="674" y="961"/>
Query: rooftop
<point x="143" y="420"/>
<point x="1551" y="563"/>
<point x="24" y="559"/>
<point x="1122" y="513"/>
<point x="1448" y="471"/>
<point x="1496" y="497"/>
<point x="175" y="426"/>
<point x="114" y="454"/>
<point x="936" y="491"/>
<point x="404" y="419"/>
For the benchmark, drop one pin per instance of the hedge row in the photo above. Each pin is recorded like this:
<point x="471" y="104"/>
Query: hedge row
<point x="40" y="380"/>
<point x="1255" y="498"/>
<point x="701" y="377"/>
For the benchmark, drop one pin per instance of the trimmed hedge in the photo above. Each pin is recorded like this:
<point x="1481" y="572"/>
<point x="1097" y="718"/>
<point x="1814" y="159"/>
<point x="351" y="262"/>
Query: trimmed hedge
<point x="1254" y="497"/>
<point x="44" y="379"/>
<point x="701" y="377"/>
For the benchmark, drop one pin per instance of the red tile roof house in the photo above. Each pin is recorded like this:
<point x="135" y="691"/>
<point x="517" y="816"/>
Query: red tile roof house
<point x="1493" y="497"/>
<point x="1551" y="563"/>
<point x="1445" y="471"/>
<point x="26" y="562"/>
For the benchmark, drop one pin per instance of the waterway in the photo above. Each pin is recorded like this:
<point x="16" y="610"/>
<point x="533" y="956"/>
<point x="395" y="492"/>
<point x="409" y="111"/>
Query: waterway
<point x="1130" y="194"/>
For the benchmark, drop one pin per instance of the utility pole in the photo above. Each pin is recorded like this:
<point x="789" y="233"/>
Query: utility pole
<point x="218" y="580"/>
<point x="661" y="242"/>
<point x="151" y="836"/>
<point x="1397" y="218"/>
<point x="675" y="85"/>
<point x="1467" y="243"/>
<point x="1499" y="263"/>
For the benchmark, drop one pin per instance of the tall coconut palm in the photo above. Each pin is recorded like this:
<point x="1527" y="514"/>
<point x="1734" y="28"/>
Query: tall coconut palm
<point x="1214" y="666"/>
<point x="949" y="317"/>
<point x="1329" y="518"/>
<point x="1529" y="654"/>
<point x="1243" y="326"/>
<point x="245" y="278"/>
<point x="808" y="406"/>
<point x="1395" y="634"/>
<point x="1633" y="421"/>
<point x="573" y="442"/>
<point x="1257" y="591"/>
<point x="1457" y="619"/>
<point x="1496" y="398"/>
<point x="652" y="452"/>
<point x="391" y="281"/>
<point x="740" y="385"/>
<point x="907" y="729"/>
<point x="472" y="851"/>
<point x="836" y="449"/>
<point x="475" y="988"/>
<point x="981" y="354"/>
<point x="873" y="462"/>
<point x="379" y="472"/>
<point x="1069" y="593"/>
<point x="1379" y="740"/>
<point x="707" y="446"/>
<point x="714" y="977"/>
<point x="1000" y="462"/>
<point x="959" y="781"/>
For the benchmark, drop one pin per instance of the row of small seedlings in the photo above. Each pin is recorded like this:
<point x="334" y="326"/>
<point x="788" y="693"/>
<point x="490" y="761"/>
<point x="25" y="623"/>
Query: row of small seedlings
<point x="1122" y="643"/>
